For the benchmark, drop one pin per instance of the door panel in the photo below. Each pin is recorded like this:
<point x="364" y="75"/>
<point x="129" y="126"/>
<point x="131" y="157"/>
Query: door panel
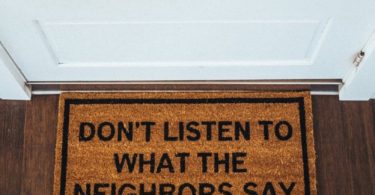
<point x="180" y="40"/>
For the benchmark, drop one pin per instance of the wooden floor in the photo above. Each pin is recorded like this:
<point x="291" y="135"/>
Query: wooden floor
<point x="344" y="139"/>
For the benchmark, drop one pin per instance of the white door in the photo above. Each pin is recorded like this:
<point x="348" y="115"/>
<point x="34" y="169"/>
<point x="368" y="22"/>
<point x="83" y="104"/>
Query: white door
<point x="78" y="40"/>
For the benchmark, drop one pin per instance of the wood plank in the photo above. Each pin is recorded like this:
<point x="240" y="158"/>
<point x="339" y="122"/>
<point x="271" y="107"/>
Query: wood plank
<point x="183" y="86"/>
<point x="344" y="140"/>
<point x="331" y="147"/>
<point x="11" y="145"/>
<point x="39" y="141"/>
<point x="358" y="119"/>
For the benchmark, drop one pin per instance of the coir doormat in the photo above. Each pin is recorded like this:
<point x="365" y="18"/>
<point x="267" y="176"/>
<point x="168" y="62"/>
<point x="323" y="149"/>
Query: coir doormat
<point x="185" y="143"/>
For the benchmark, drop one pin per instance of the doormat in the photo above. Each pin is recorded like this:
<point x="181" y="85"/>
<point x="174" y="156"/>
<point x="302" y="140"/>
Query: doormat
<point x="185" y="143"/>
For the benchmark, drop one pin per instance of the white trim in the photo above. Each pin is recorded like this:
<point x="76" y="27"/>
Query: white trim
<point x="58" y="92"/>
<point x="12" y="82"/>
<point x="253" y="82"/>
<point x="324" y="93"/>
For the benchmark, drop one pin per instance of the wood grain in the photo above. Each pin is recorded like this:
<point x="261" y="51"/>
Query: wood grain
<point x="39" y="142"/>
<point x="12" y="116"/>
<point x="344" y="137"/>
<point x="344" y="140"/>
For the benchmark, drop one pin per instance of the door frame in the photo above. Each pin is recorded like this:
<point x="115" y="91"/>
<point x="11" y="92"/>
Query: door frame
<point x="13" y="84"/>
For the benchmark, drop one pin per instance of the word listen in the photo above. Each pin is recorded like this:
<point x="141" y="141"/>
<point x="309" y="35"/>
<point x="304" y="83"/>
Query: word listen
<point x="190" y="131"/>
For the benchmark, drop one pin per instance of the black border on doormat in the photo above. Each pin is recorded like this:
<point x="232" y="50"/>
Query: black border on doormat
<point x="68" y="102"/>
